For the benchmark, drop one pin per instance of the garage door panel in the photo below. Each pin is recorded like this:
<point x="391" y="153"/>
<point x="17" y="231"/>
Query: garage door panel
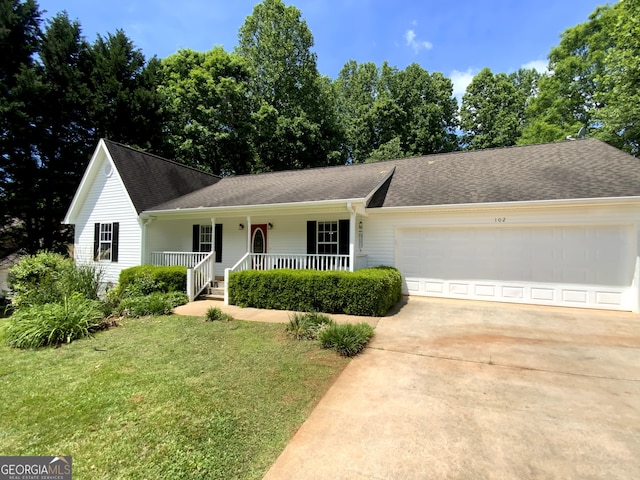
<point x="573" y="266"/>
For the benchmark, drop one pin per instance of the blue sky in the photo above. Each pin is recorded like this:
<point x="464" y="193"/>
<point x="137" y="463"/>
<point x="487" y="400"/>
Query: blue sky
<point x="457" y="38"/>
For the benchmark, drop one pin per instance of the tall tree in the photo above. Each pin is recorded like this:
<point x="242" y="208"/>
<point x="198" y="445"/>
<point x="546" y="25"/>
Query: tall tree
<point x="567" y="96"/>
<point x="126" y="105"/>
<point x="19" y="37"/>
<point x="290" y="100"/>
<point x="493" y="108"/>
<point x="57" y="95"/>
<point x="618" y="82"/>
<point x="389" y="112"/>
<point x="64" y="140"/>
<point x="430" y="110"/>
<point x="209" y="124"/>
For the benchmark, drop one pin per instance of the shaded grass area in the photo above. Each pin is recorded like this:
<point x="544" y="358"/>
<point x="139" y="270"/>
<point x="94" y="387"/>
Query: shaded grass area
<point x="163" y="397"/>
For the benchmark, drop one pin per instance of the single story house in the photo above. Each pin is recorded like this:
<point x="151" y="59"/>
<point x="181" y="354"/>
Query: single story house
<point x="550" y="224"/>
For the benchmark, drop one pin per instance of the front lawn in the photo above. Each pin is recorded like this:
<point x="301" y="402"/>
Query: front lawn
<point x="163" y="398"/>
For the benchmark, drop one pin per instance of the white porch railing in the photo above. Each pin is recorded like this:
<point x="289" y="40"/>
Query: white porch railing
<point x="201" y="275"/>
<point x="270" y="261"/>
<point x="184" y="259"/>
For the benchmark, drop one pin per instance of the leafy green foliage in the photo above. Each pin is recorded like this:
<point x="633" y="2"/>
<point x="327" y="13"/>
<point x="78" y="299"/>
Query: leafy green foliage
<point x="156" y="303"/>
<point x="391" y="113"/>
<point x="146" y="279"/>
<point x="47" y="277"/>
<point x="215" y="314"/>
<point x="371" y="291"/>
<point x="306" y="326"/>
<point x="348" y="339"/>
<point x="54" y="323"/>
<point x="292" y="105"/>
<point x="618" y="92"/>
<point x="207" y="105"/>
<point x="493" y="108"/>
<point x="58" y="96"/>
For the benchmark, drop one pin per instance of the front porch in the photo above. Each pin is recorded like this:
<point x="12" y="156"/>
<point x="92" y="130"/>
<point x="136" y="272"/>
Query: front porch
<point x="202" y="273"/>
<point x="318" y="238"/>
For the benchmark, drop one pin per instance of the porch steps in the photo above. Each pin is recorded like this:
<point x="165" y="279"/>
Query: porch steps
<point x="215" y="291"/>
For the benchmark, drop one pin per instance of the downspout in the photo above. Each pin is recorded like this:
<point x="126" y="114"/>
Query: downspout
<point x="143" y="250"/>
<point x="352" y="236"/>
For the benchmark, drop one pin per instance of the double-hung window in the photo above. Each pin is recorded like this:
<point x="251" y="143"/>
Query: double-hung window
<point x="105" y="242"/>
<point x="327" y="238"/>
<point x="204" y="239"/>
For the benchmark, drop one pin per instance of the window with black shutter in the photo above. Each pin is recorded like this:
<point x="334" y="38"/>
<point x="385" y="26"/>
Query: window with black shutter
<point x="106" y="241"/>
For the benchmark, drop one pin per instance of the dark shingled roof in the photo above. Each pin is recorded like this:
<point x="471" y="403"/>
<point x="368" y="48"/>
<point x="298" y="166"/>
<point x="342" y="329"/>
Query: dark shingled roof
<point x="571" y="169"/>
<point x="152" y="180"/>
<point x="292" y="186"/>
<point x="575" y="169"/>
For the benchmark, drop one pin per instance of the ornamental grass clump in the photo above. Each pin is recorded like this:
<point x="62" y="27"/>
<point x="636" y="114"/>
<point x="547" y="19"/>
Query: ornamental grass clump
<point x="307" y="326"/>
<point x="214" y="314"/>
<point x="348" y="340"/>
<point x="54" y="323"/>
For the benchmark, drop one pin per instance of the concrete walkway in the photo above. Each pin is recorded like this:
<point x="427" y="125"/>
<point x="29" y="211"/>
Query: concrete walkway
<point x="199" y="308"/>
<point x="480" y="390"/>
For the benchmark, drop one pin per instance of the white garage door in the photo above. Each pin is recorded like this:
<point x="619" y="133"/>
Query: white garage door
<point x="570" y="266"/>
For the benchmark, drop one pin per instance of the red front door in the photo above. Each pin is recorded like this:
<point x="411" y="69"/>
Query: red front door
<point x="258" y="244"/>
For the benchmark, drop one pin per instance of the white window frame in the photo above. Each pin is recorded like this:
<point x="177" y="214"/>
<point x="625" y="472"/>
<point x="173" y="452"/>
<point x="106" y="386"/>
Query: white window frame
<point x="105" y="245"/>
<point x="205" y="238"/>
<point x="327" y="237"/>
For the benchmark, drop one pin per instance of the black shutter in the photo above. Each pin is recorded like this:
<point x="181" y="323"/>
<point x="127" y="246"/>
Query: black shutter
<point x="96" y="241"/>
<point x="196" y="239"/>
<point x="311" y="237"/>
<point x="218" y="243"/>
<point x="343" y="237"/>
<point x="115" y="241"/>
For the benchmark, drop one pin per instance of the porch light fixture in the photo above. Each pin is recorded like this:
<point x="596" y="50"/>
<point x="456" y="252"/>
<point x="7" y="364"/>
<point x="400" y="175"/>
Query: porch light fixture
<point x="241" y="226"/>
<point x="269" y="226"/>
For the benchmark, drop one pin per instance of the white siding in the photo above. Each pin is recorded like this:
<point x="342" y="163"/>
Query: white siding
<point x="288" y="235"/>
<point x="107" y="201"/>
<point x="607" y="235"/>
<point x="173" y="235"/>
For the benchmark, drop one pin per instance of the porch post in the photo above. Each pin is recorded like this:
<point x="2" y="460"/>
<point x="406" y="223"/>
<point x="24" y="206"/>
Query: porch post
<point x="248" y="234"/>
<point x="352" y="239"/>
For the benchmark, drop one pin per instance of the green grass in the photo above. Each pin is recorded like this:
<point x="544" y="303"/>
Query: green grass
<point x="163" y="398"/>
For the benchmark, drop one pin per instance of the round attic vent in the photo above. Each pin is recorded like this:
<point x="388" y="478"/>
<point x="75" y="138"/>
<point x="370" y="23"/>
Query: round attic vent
<point x="107" y="169"/>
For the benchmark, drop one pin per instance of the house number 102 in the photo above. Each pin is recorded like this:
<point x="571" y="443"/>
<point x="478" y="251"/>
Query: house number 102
<point x="500" y="219"/>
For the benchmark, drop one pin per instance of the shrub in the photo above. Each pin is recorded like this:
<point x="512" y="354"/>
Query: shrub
<point x="214" y="313"/>
<point x="306" y="326"/>
<point x="156" y="303"/>
<point x="371" y="291"/>
<point x="146" y="279"/>
<point x="54" y="323"/>
<point x="47" y="277"/>
<point x="348" y="340"/>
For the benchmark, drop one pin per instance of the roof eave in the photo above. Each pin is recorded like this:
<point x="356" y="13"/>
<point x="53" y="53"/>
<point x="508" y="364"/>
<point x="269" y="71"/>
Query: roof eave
<point x="241" y="209"/>
<point x="89" y="171"/>
<point x="568" y="202"/>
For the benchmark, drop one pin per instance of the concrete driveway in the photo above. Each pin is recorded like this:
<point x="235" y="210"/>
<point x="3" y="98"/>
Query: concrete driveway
<point x="475" y="390"/>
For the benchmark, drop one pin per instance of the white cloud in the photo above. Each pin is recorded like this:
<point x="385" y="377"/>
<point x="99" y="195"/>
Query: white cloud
<point x="539" y="65"/>
<point x="410" y="37"/>
<point x="461" y="81"/>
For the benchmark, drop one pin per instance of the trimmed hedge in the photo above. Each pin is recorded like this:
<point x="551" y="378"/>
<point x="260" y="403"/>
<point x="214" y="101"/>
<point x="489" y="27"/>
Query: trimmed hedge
<point x="146" y="279"/>
<point x="371" y="291"/>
